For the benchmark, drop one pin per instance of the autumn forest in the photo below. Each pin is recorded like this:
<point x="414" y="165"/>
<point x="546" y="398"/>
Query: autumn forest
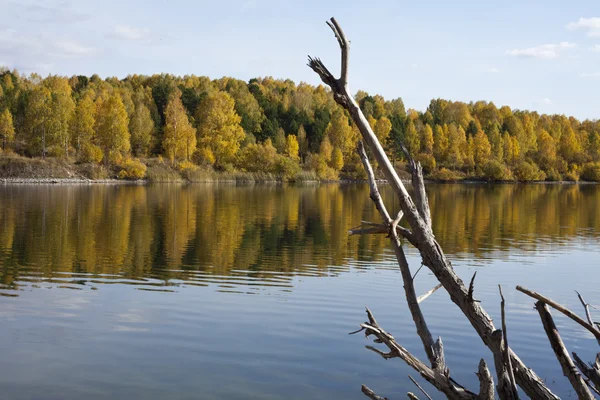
<point x="284" y="130"/>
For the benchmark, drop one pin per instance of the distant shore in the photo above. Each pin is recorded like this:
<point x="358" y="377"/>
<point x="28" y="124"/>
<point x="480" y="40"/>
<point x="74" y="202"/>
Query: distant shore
<point x="23" y="171"/>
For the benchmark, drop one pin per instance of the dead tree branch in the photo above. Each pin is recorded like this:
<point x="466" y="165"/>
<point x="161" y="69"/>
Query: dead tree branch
<point x="562" y="309"/>
<point x="440" y="381"/>
<point x="433" y="351"/>
<point x="371" y="394"/>
<point x="425" y="295"/>
<point x="591" y="371"/>
<point x="419" y="387"/>
<point x="486" y="382"/>
<point x="511" y="375"/>
<point x="562" y="354"/>
<point x="422" y="237"/>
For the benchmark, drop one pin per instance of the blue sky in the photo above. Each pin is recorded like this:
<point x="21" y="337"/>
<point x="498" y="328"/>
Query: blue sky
<point x="536" y="55"/>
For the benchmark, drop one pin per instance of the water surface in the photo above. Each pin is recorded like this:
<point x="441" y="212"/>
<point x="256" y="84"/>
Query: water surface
<point x="248" y="292"/>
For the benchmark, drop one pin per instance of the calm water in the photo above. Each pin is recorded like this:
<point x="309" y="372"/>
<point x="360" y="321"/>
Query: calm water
<point x="218" y="291"/>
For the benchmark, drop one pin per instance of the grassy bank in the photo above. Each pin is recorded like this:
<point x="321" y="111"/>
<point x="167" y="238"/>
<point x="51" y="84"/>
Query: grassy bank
<point x="15" y="168"/>
<point x="19" y="169"/>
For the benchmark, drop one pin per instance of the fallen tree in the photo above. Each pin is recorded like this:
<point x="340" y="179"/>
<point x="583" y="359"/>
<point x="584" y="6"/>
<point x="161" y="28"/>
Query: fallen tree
<point x="511" y="372"/>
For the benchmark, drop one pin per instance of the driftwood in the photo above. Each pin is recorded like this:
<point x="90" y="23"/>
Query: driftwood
<point x="562" y="354"/>
<point x="510" y="370"/>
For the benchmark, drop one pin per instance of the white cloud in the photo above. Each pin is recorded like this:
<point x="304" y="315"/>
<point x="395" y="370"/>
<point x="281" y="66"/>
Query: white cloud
<point x="69" y="48"/>
<point x="545" y="51"/>
<point x="127" y="32"/>
<point x="592" y="25"/>
<point x="38" y="52"/>
<point x="494" y="70"/>
<point x="590" y="75"/>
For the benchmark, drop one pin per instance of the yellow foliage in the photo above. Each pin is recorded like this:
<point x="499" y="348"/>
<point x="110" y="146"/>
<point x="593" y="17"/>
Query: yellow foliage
<point x="219" y="128"/>
<point x="132" y="168"/>
<point x="91" y="153"/>
<point x="186" y="166"/>
<point x="206" y="156"/>
<point x="292" y="147"/>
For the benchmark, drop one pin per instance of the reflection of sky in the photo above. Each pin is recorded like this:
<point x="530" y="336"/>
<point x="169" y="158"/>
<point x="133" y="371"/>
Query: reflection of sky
<point x="204" y="334"/>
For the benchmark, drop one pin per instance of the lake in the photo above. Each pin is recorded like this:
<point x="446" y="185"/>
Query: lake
<point x="249" y="292"/>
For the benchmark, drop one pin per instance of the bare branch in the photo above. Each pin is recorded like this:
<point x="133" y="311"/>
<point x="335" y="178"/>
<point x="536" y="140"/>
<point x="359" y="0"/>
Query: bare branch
<point x="511" y="374"/>
<point x="440" y="381"/>
<point x="374" y="191"/>
<point x="428" y="293"/>
<point x="486" y="382"/>
<point x="344" y="47"/>
<point x="588" y="315"/>
<point x="472" y="289"/>
<point x="420" y="388"/>
<point x="371" y="394"/>
<point x="422" y="238"/>
<point x="591" y="371"/>
<point x="568" y="367"/>
<point x="562" y="309"/>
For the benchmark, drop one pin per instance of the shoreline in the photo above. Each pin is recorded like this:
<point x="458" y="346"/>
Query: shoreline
<point x="86" y="181"/>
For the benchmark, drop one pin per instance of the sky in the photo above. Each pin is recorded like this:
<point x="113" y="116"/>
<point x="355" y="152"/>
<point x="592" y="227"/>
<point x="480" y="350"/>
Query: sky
<point x="535" y="55"/>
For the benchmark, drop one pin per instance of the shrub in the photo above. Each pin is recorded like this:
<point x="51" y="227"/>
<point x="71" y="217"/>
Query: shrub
<point x="573" y="174"/>
<point x="445" y="175"/>
<point x="132" y="168"/>
<point x="526" y="171"/>
<point x="286" y="167"/>
<point x="186" y="166"/>
<point x="591" y="172"/>
<point x="494" y="170"/>
<point x="427" y="162"/>
<point x="90" y="153"/>
<point x="553" y="175"/>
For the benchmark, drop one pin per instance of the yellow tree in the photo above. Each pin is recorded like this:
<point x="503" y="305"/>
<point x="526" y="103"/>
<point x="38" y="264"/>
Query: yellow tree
<point x="179" y="140"/>
<point x="427" y="139"/>
<point x="546" y="151"/>
<point x="440" y="143"/>
<point x="292" y="147"/>
<point x="456" y="143"/>
<point x="83" y="121"/>
<point x="141" y="125"/>
<point x="411" y="138"/>
<point x="219" y="129"/>
<point x="302" y="142"/>
<point x="481" y="148"/>
<point x="61" y="113"/>
<point x="570" y="148"/>
<point x="511" y="149"/>
<point x="37" y="115"/>
<point x="382" y="129"/>
<point x="7" y="129"/>
<point x="340" y="132"/>
<point x="111" y="127"/>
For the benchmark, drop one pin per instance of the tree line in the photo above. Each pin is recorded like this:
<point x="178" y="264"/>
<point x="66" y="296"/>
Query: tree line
<point x="275" y="126"/>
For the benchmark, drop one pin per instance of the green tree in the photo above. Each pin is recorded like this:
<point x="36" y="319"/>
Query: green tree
<point x="219" y="129"/>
